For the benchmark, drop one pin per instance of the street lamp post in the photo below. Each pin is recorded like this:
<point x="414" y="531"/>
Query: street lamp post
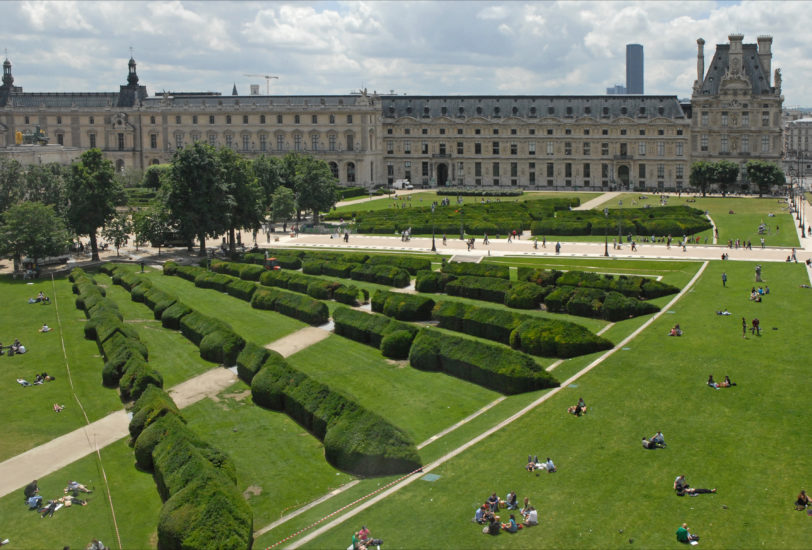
<point x="619" y="218"/>
<point x="433" y="245"/>
<point x="462" y="223"/>
<point x="606" y="232"/>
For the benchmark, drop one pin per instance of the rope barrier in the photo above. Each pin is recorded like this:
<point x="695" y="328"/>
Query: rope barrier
<point x="84" y="413"/>
<point x="350" y="505"/>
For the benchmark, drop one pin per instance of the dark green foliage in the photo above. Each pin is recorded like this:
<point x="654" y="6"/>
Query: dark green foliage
<point x="355" y="439"/>
<point x="346" y="294"/>
<point x="654" y="289"/>
<point x="189" y="272"/>
<point x="403" y="307"/>
<point x="291" y="304"/>
<point x="674" y="220"/>
<point x="118" y="343"/>
<point x="137" y="292"/>
<point x="250" y="360"/>
<point x="241" y="289"/>
<point x="343" y="193"/>
<point x="367" y="328"/>
<point x="195" y="326"/>
<point x="586" y="302"/>
<point x="381" y="274"/>
<point x="617" y="307"/>
<point x="479" y="193"/>
<point x="432" y="281"/>
<point x="209" y="279"/>
<point x="171" y="316"/>
<point x="100" y="327"/>
<point x="322" y="289"/>
<point x="477" y="270"/>
<point x="153" y="404"/>
<point x="488" y="289"/>
<point x="158" y="301"/>
<point x="412" y="264"/>
<point x="556" y="339"/>
<point x="396" y="344"/>
<point x="275" y="278"/>
<point x="534" y="335"/>
<point x="337" y="269"/>
<point x="130" y="279"/>
<point x="170" y="268"/>
<point x="542" y="277"/>
<point x="525" y="295"/>
<point x="490" y="365"/>
<point x="312" y="267"/>
<point x="221" y="346"/>
<point x="151" y="435"/>
<point x="556" y="301"/>
<point x="137" y="377"/>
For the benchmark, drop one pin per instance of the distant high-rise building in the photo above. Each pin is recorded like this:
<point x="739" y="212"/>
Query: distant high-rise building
<point x="634" y="69"/>
<point x="617" y="89"/>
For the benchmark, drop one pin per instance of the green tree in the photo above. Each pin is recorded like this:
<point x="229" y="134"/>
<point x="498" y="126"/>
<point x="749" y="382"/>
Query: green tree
<point x="92" y="195"/>
<point x="764" y="175"/>
<point x="243" y="196"/>
<point x="268" y="173"/>
<point x="152" y="226"/>
<point x="702" y="175"/>
<point x="283" y="205"/>
<point x="48" y="184"/>
<point x="118" y="230"/>
<point x="726" y="174"/>
<point x="315" y="186"/>
<point x="11" y="183"/>
<point x="155" y="175"/>
<point x="197" y="194"/>
<point x="32" y="229"/>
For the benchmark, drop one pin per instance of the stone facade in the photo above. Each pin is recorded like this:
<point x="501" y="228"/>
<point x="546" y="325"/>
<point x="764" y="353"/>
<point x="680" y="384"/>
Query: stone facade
<point x="545" y="142"/>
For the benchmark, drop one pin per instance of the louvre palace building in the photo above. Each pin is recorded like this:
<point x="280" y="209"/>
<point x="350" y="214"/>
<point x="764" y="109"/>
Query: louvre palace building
<point x="596" y="142"/>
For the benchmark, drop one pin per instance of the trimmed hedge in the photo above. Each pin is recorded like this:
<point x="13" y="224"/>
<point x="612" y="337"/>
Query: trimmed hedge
<point x="221" y="346"/>
<point x="381" y="274"/>
<point x="348" y="294"/>
<point x="195" y="326"/>
<point x="355" y="439"/>
<point x="372" y="329"/>
<point x="158" y="301"/>
<point x="241" y="289"/>
<point x="291" y="304"/>
<point x="542" y="277"/>
<point x="412" y="264"/>
<point x="477" y="270"/>
<point x="489" y="289"/>
<point x="209" y="279"/>
<point x="171" y="316"/>
<point x="594" y="302"/>
<point x="432" y="281"/>
<point x="524" y="295"/>
<point x="152" y="405"/>
<point x="489" y="365"/>
<point x="401" y="306"/>
<point x="250" y="360"/>
<point x="534" y="335"/>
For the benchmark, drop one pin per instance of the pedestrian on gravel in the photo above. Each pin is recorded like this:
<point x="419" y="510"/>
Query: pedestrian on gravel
<point x="557" y="247"/>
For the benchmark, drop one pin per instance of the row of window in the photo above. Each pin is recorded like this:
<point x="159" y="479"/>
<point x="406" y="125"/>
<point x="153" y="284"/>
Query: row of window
<point x="532" y="113"/>
<point x="731" y="145"/>
<point x="732" y="119"/>
<point x="280" y="119"/>
<point x="496" y="169"/>
<point x="532" y="131"/>
<point x="248" y="144"/>
<point x="586" y="148"/>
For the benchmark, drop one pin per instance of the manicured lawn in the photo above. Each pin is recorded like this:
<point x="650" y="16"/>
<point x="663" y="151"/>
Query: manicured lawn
<point x="134" y="496"/>
<point x="608" y="489"/>
<point x="28" y="418"/>
<point x="427" y="197"/>
<point x="742" y="224"/>
<point x="279" y="464"/>
<point x="421" y="403"/>
<point x="255" y="325"/>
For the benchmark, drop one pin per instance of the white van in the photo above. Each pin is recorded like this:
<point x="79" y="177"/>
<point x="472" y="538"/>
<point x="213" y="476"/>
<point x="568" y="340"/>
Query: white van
<point x="402" y="184"/>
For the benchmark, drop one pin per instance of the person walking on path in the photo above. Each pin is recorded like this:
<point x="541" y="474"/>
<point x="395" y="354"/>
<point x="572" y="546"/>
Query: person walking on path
<point x="557" y="247"/>
<point x="724" y="279"/>
<point x="744" y="327"/>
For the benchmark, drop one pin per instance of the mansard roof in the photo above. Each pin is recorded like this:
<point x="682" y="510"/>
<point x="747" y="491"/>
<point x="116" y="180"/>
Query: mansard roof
<point x="97" y="100"/>
<point x="751" y="65"/>
<point x="182" y="99"/>
<point x="498" y="106"/>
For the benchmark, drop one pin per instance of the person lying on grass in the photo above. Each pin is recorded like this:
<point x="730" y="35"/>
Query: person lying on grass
<point x="682" y="488"/>
<point x="58" y="408"/>
<point x="76" y="486"/>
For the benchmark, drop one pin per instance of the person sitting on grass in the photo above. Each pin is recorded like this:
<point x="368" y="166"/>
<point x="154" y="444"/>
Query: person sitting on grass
<point x="682" y="488"/>
<point x="549" y="466"/>
<point x="364" y="535"/>
<point x="479" y="517"/>
<point x="712" y="383"/>
<point x="31" y="489"/>
<point x="494" y="526"/>
<point x="658" y="439"/>
<point x="684" y="535"/>
<point x="579" y="408"/>
<point x="648" y="444"/>
<point x="511" y="526"/>
<point x="493" y="503"/>
<point x="526" y="506"/>
<point x="45" y="328"/>
<point x="726" y="383"/>
<point x="531" y="517"/>
<point x="675" y="330"/>
<point x="803" y="501"/>
<point x="512" y="500"/>
<point x="59" y="408"/>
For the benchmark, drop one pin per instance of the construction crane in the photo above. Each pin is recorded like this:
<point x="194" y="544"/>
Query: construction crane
<point x="267" y="78"/>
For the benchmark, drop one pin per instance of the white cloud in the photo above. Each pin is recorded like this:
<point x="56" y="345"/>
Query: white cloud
<point x="570" y="47"/>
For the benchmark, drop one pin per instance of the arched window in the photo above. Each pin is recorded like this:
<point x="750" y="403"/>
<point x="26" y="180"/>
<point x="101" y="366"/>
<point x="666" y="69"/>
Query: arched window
<point x="155" y="161"/>
<point x="350" y="172"/>
<point x="334" y="169"/>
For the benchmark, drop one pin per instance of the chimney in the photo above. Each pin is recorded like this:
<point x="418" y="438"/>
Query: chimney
<point x="735" y="65"/>
<point x="700" y="60"/>
<point x="765" y="54"/>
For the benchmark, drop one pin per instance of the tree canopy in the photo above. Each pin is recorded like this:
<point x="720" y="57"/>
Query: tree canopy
<point x="702" y="175"/>
<point x="726" y="173"/>
<point x="92" y="195"/>
<point x="765" y="175"/>
<point x="32" y="229"/>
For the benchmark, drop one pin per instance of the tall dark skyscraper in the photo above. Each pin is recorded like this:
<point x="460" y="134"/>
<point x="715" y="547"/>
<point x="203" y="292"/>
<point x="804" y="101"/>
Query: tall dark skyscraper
<point x="634" y="69"/>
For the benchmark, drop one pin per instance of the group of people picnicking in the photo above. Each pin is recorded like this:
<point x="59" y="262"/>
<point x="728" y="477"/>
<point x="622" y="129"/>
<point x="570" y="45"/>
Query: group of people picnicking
<point x="70" y="497"/>
<point x="726" y="383"/>
<point x="16" y="348"/>
<point x="533" y="464"/>
<point x="486" y="514"/>
<point x="579" y="408"/>
<point x="40" y="299"/>
<point x="657" y="441"/>
<point x="362" y="540"/>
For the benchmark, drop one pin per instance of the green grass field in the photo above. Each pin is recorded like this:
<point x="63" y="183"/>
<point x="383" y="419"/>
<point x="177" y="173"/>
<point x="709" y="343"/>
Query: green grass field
<point x="750" y="442"/>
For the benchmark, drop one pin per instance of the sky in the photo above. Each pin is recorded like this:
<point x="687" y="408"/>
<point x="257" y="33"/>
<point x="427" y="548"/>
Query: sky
<point x="438" y="48"/>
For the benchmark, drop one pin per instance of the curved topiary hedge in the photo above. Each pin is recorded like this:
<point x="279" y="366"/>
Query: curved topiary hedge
<point x="369" y="328"/>
<point x="382" y="274"/>
<point x="489" y="365"/>
<point x="221" y="346"/>
<point x="250" y="360"/>
<point x="401" y="306"/>
<point x="488" y="289"/>
<point x="355" y="439"/>
<point x="412" y="264"/>
<point x="291" y="304"/>
<point x="243" y="290"/>
<point x="477" y="270"/>
<point x="432" y="281"/>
